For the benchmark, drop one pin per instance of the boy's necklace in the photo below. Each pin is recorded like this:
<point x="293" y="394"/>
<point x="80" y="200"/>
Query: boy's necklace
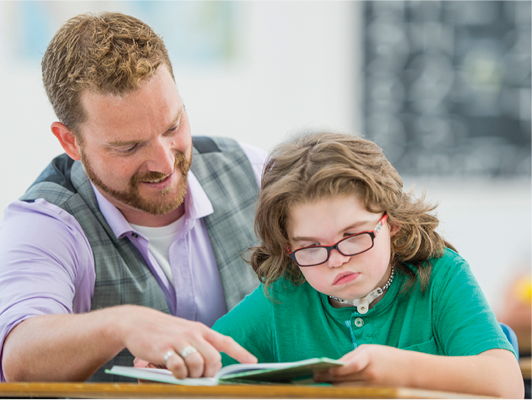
<point x="362" y="304"/>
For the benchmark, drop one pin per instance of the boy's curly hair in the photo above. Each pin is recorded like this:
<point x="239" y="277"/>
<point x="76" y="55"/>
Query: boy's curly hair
<point x="109" y="53"/>
<point x="321" y="165"/>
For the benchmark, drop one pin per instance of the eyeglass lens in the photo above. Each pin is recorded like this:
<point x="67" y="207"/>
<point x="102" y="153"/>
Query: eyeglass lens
<point x="348" y="247"/>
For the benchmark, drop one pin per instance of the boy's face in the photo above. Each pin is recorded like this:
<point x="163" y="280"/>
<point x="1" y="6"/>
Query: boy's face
<point x="325" y="222"/>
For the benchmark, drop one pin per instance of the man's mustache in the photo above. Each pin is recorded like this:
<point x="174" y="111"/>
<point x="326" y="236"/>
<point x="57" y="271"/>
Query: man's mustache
<point x="179" y="163"/>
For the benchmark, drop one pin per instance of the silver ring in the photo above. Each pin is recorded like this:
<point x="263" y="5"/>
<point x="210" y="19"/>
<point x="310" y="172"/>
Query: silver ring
<point x="167" y="356"/>
<point x="188" y="351"/>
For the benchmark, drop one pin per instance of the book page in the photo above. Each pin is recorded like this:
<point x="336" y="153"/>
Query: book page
<point x="279" y="372"/>
<point x="262" y="372"/>
<point x="160" y="375"/>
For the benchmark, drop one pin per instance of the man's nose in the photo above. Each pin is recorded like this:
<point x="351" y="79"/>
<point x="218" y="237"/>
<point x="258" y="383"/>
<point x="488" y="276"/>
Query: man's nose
<point x="162" y="158"/>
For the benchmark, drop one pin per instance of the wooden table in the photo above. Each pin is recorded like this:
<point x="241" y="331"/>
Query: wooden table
<point x="161" y="391"/>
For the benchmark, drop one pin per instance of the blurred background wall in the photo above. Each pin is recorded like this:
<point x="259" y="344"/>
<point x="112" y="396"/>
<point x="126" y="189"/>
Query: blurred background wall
<point x="443" y="87"/>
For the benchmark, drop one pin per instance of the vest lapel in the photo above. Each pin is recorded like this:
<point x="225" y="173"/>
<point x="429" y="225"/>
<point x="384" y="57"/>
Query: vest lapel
<point x="232" y="190"/>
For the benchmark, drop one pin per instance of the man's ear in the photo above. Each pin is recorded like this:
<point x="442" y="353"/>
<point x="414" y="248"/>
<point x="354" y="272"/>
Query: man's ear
<point x="67" y="139"/>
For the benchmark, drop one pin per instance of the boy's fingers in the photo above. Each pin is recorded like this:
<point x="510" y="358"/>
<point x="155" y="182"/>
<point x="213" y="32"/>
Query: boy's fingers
<point x="326" y="376"/>
<point x="138" y="363"/>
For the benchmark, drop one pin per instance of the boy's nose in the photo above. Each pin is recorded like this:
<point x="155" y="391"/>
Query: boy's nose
<point x="337" y="259"/>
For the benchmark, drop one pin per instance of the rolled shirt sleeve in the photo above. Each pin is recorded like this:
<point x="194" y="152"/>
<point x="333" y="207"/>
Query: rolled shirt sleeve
<point x="46" y="265"/>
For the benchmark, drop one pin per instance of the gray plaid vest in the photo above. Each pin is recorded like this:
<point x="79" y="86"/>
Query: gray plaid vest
<point x="122" y="275"/>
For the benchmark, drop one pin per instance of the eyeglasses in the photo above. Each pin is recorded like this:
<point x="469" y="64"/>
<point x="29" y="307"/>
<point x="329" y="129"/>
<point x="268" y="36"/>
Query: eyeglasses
<point x="349" y="246"/>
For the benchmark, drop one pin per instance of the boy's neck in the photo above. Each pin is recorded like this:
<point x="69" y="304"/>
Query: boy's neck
<point x="364" y="304"/>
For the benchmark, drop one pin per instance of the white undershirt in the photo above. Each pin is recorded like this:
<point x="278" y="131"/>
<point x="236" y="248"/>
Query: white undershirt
<point x="159" y="241"/>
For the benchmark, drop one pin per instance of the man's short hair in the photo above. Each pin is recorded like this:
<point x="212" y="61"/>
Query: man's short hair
<point x="108" y="53"/>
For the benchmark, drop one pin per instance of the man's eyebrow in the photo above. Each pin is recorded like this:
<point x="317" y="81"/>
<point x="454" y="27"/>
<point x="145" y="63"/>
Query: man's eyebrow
<point x="120" y="143"/>
<point x="177" y="118"/>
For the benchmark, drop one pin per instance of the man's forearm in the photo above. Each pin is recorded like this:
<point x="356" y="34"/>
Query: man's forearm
<point x="60" y="347"/>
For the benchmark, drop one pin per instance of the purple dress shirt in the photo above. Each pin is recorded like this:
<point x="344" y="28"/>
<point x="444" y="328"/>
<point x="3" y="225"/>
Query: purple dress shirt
<point x="47" y="266"/>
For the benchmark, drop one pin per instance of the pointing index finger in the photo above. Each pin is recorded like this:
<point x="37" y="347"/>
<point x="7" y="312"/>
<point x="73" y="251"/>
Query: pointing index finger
<point x="227" y="345"/>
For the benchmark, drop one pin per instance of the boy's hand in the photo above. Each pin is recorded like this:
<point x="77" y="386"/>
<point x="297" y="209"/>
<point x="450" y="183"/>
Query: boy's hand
<point x="138" y="363"/>
<point x="371" y="364"/>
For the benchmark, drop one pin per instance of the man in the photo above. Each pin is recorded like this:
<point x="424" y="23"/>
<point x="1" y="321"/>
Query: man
<point x="121" y="247"/>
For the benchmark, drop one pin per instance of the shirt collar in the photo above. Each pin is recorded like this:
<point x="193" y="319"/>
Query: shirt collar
<point x="197" y="205"/>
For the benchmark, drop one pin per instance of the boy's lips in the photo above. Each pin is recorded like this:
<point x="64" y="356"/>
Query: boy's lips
<point x="345" y="277"/>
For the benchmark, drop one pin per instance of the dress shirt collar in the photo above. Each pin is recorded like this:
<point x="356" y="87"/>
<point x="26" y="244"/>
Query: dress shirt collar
<point x="197" y="205"/>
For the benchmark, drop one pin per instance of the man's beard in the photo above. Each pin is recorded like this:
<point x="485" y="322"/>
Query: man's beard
<point x="131" y="196"/>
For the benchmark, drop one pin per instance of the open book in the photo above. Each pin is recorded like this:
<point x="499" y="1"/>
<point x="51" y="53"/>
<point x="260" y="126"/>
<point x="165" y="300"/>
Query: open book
<point x="236" y="373"/>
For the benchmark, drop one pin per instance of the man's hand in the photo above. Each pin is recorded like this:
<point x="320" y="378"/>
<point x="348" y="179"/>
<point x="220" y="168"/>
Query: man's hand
<point x="151" y="335"/>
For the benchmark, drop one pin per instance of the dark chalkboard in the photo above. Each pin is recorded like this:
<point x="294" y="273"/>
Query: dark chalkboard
<point x="447" y="85"/>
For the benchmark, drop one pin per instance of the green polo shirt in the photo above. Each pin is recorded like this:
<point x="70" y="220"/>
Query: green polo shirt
<point x="452" y="317"/>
